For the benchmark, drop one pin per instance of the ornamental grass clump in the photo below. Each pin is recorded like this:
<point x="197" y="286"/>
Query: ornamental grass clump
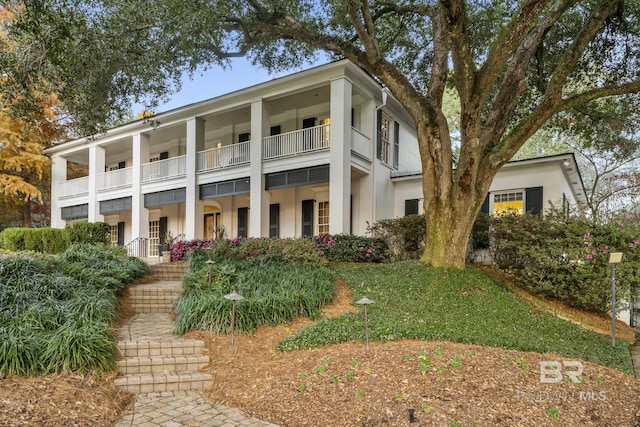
<point x="55" y="313"/>
<point x="274" y="291"/>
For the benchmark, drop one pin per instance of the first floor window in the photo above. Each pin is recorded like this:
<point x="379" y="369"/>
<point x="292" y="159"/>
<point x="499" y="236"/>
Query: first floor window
<point x="154" y="237"/>
<point x="113" y="234"/>
<point x="323" y="218"/>
<point x="508" y="201"/>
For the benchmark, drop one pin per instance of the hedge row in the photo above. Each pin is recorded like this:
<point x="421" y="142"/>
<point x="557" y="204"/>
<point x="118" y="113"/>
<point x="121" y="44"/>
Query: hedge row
<point x="54" y="240"/>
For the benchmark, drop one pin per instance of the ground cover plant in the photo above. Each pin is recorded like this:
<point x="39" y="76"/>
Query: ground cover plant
<point x="56" y="312"/>
<point x="275" y="290"/>
<point x="417" y="302"/>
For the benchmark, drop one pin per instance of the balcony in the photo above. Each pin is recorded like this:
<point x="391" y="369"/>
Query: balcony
<point x="174" y="167"/>
<point x="222" y="157"/>
<point x="297" y="142"/>
<point x="74" y="187"/>
<point x="114" y="179"/>
<point x="361" y="144"/>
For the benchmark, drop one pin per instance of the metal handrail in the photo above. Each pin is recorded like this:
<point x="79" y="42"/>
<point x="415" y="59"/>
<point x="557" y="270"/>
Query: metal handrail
<point x="138" y="247"/>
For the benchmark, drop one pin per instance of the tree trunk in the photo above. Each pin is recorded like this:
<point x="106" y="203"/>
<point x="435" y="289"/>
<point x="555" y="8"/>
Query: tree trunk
<point x="448" y="226"/>
<point x="26" y="214"/>
<point x="452" y="197"/>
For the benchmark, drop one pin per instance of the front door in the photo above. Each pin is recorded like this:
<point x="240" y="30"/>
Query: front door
<point x="212" y="228"/>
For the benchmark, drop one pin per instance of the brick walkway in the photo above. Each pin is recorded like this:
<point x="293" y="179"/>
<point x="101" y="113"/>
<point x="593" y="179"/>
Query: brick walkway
<point x="163" y="369"/>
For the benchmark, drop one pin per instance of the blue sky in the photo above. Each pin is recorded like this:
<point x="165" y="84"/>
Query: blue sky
<point x="217" y="81"/>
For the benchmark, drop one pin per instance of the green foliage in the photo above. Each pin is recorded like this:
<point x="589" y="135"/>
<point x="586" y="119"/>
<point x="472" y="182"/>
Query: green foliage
<point x="51" y="321"/>
<point x="404" y="235"/>
<point x="42" y="240"/>
<point x="567" y="259"/>
<point x="417" y="302"/>
<point x="351" y="248"/>
<point x="88" y="232"/>
<point x="291" y="250"/>
<point x="274" y="292"/>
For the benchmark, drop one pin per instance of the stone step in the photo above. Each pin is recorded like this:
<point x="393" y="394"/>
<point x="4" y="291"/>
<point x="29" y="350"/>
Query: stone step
<point x="162" y="364"/>
<point x="178" y="347"/>
<point x="155" y="383"/>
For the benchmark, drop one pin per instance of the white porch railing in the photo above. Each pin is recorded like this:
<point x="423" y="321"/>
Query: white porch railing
<point x="222" y="157"/>
<point x="74" y="187"/>
<point x="164" y="169"/>
<point x="296" y="142"/>
<point x="361" y="144"/>
<point x="114" y="179"/>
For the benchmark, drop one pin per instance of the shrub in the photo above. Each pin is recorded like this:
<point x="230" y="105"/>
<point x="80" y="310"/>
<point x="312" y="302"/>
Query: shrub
<point x="291" y="250"/>
<point x="567" y="259"/>
<point x="88" y="232"/>
<point x="182" y="248"/>
<point x="42" y="240"/>
<point x="404" y="236"/>
<point x="350" y="248"/>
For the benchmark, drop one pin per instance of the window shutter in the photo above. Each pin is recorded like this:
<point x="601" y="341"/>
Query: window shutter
<point x="243" y="219"/>
<point x="307" y="218"/>
<point x="163" y="229"/>
<point x="485" y="206"/>
<point x="121" y="234"/>
<point x="396" y="144"/>
<point x="274" y="220"/>
<point x="379" y="134"/>
<point x="533" y="200"/>
<point x="411" y="207"/>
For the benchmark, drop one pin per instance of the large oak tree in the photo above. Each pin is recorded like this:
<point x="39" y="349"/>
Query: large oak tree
<point x="514" y="65"/>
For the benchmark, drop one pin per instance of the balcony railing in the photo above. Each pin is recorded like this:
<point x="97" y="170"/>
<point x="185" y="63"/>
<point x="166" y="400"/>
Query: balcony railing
<point x="296" y="142"/>
<point x="164" y="169"/>
<point x="222" y="157"/>
<point x="114" y="179"/>
<point x="74" y="187"/>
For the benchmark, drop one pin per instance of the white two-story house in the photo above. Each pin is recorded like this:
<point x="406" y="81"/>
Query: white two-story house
<point x="325" y="150"/>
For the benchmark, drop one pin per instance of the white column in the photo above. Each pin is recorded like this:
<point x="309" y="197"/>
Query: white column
<point x="58" y="176"/>
<point x="194" y="210"/>
<point x="96" y="166"/>
<point x="259" y="198"/>
<point x="340" y="157"/>
<point x="139" y="214"/>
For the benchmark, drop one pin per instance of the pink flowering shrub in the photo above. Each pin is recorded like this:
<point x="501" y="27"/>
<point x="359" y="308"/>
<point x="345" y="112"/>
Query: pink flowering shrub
<point x="567" y="259"/>
<point x="350" y="248"/>
<point x="180" y="249"/>
<point x="290" y="250"/>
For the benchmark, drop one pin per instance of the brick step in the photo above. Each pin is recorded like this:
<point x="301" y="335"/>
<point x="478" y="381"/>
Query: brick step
<point x="153" y="293"/>
<point x="162" y="364"/>
<point x="166" y="307"/>
<point x="168" y="271"/>
<point x="154" y="383"/>
<point x="178" y="347"/>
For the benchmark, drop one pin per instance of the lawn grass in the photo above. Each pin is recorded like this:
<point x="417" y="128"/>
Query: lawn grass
<point x="413" y="301"/>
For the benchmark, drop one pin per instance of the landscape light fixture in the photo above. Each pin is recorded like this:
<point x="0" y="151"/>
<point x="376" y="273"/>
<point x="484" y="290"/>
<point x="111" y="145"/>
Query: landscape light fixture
<point x="209" y="265"/>
<point x="233" y="296"/>
<point x="365" y="302"/>
<point x="614" y="258"/>
<point x="412" y="417"/>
